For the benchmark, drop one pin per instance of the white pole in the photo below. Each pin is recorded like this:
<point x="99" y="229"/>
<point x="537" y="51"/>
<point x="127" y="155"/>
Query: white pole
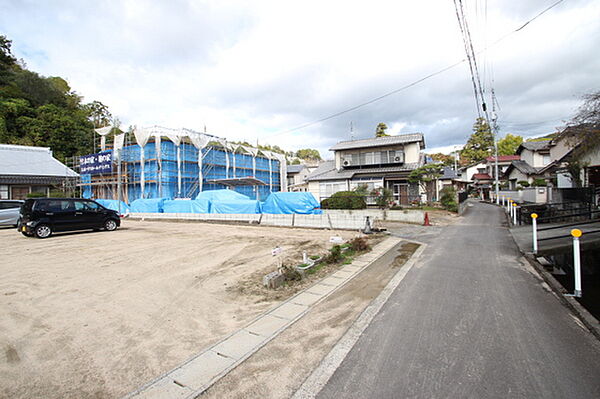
<point x="515" y="214"/>
<point x="576" y="233"/>
<point x="534" y="225"/>
<point x="508" y="205"/>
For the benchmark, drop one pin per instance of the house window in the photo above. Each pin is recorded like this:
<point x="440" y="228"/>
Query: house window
<point x="545" y="160"/>
<point x="327" y="189"/>
<point x="3" y="191"/>
<point x="481" y="170"/>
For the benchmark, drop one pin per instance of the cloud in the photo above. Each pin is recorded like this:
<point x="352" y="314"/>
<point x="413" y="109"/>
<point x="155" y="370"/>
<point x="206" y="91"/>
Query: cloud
<point x="255" y="70"/>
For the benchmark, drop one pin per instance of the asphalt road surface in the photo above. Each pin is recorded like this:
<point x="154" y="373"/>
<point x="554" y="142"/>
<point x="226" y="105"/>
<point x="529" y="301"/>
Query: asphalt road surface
<point x="471" y="321"/>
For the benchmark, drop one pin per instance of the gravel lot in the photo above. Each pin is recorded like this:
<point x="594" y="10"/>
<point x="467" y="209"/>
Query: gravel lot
<point x="97" y="314"/>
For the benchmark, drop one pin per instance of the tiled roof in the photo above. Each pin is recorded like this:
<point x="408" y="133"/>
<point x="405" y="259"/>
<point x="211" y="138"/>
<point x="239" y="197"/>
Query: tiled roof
<point x="31" y="161"/>
<point x="334" y="174"/>
<point x="379" y="141"/>
<point x="448" y="173"/>
<point x="534" y="145"/>
<point x="504" y="158"/>
<point x="295" y="168"/>
<point x="482" y="176"/>
<point x="523" y="167"/>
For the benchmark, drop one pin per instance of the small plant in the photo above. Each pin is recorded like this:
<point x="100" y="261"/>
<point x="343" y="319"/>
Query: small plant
<point x="523" y="183"/>
<point x="335" y="255"/>
<point x="314" y="257"/>
<point x="290" y="273"/>
<point x="359" y="244"/>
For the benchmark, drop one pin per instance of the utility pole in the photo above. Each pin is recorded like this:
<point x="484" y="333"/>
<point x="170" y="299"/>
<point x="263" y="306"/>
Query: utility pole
<point x="494" y="128"/>
<point x="455" y="159"/>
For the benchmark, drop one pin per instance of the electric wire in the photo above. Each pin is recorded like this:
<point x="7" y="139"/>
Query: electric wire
<point x="414" y="83"/>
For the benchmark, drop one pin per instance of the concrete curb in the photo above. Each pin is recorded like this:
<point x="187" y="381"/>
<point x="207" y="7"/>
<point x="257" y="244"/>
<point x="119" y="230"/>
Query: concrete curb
<point x="321" y="375"/>
<point x="571" y="303"/>
<point x="197" y="374"/>
<point x="579" y="311"/>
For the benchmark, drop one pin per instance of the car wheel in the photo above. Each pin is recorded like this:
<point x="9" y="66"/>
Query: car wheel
<point x="43" y="231"/>
<point x="27" y="234"/>
<point x="110" y="225"/>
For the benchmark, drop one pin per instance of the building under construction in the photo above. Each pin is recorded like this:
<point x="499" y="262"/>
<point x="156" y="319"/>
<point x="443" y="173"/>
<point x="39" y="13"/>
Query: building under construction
<point x="170" y="163"/>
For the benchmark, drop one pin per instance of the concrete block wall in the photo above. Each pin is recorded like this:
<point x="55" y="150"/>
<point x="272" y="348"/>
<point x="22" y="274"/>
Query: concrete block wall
<point x="330" y="219"/>
<point x="406" y="215"/>
<point x="277" y="220"/>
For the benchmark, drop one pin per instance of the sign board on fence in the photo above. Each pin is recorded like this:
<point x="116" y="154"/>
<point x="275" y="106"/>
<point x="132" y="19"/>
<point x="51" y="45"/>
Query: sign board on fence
<point x="95" y="163"/>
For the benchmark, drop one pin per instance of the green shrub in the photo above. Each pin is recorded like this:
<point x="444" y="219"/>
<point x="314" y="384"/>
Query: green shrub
<point x="448" y="199"/>
<point x="36" y="195"/>
<point x="344" y="200"/>
<point x="523" y="183"/>
<point x="539" y="183"/>
<point x="335" y="255"/>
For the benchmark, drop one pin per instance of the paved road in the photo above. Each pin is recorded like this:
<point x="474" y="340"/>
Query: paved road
<point x="470" y="321"/>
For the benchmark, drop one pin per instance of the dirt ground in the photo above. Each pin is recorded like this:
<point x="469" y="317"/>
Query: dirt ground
<point x="300" y="348"/>
<point x="96" y="315"/>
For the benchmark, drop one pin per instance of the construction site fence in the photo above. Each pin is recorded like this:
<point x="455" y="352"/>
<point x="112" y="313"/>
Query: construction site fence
<point x="162" y="174"/>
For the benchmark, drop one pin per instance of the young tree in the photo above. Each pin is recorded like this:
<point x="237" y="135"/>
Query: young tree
<point x="508" y="144"/>
<point x="309" y="154"/>
<point x="425" y="175"/>
<point x="380" y="130"/>
<point x="480" y="144"/>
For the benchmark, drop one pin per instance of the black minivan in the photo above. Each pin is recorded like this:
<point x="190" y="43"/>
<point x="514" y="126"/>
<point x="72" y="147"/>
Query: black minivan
<point x="43" y="216"/>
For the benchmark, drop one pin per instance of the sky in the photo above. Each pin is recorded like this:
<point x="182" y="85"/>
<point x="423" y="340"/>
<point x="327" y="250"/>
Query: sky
<point x="258" y="70"/>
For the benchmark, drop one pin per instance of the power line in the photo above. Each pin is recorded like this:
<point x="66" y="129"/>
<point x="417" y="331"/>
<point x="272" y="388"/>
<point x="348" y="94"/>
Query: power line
<point x="414" y="83"/>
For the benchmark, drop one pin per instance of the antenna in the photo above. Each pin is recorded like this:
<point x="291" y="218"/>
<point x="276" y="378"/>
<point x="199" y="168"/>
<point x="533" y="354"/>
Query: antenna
<point x="351" y="130"/>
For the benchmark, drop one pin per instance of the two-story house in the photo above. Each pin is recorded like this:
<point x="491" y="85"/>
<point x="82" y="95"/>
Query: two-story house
<point x="377" y="162"/>
<point x="296" y="176"/>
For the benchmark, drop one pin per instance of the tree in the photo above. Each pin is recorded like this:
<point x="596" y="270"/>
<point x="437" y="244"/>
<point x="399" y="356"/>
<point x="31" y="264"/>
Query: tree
<point x="98" y="114"/>
<point x="446" y="160"/>
<point x="380" y="130"/>
<point x="425" y="175"/>
<point x="7" y="60"/>
<point x="309" y="154"/>
<point x="583" y="134"/>
<point x="508" y="144"/>
<point x="480" y="144"/>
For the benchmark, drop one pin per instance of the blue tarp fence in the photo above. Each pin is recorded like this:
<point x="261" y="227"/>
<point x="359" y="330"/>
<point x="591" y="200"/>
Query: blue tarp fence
<point x="222" y="195"/>
<point x="286" y="203"/>
<point x="237" y="207"/>
<point x="187" y="206"/>
<point x="114" y="205"/>
<point x="150" y="205"/>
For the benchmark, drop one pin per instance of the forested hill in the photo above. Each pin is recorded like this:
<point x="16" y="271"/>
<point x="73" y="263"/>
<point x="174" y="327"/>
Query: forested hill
<point x="44" y="111"/>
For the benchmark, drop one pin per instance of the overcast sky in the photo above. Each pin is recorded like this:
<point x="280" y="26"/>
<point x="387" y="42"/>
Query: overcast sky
<point x="251" y="70"/>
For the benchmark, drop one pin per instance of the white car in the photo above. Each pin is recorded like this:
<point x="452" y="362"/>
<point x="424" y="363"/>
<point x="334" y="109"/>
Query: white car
<point x="9" y="212"/>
